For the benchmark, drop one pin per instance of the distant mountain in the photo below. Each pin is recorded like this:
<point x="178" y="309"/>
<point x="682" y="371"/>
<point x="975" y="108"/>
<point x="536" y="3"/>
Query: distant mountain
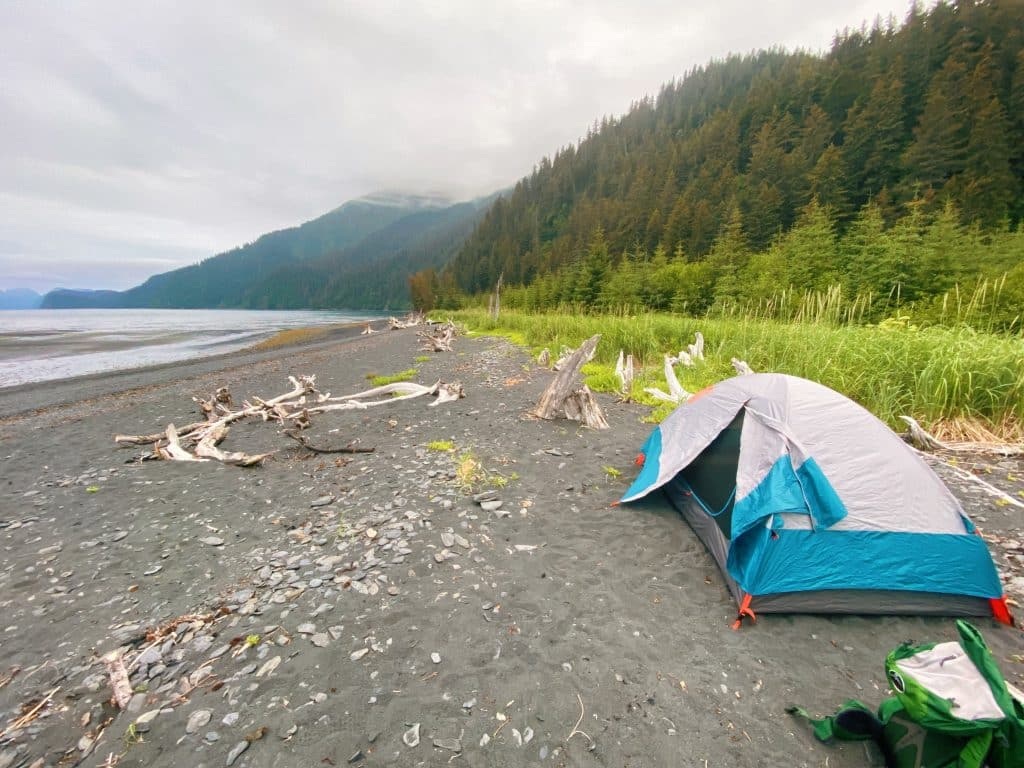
<point x="67" y="298"/>
<point x="19" y="298"/>
<point x="312" y="265"/>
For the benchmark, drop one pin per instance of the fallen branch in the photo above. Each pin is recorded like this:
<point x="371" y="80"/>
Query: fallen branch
<point x="919" y="437"/>
<point x="29" y="716"/>
<point x="350" y="448"/>
<point x="367" y="330"/>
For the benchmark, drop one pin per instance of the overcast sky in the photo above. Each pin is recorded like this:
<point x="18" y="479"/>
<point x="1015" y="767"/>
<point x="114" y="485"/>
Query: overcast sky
<point x="136" y="137"/>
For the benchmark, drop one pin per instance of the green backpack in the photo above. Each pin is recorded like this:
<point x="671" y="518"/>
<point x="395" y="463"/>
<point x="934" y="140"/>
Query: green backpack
<point x="951" y="709"/>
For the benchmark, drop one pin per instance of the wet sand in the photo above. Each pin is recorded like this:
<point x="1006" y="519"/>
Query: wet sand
<point x="350" y="572"/>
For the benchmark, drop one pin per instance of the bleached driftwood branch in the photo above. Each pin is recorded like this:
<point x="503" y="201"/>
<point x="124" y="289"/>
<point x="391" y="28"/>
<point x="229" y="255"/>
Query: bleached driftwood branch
<point x="411" y="320"/>
<point x="294" y="407"/>
<point x="742" y="369"/>
<point x="696" y="350"/>
<point x="544" y="358"/>
<point x="567" y="396"/>
<point x="439" y="338"/>
<point x="676" y="393"/>
<point x="624" y="370"/>
<point x="919" y="437"/>
<point x="367" y="330"/>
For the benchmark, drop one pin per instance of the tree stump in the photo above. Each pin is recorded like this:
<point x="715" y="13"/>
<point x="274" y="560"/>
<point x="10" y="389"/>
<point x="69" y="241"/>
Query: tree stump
<point x="568" y="397"/>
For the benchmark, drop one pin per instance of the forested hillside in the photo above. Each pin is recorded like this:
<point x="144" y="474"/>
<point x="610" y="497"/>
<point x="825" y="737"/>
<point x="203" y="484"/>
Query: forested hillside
<point x="358" y="256"/>
<point x="892" y="165"/>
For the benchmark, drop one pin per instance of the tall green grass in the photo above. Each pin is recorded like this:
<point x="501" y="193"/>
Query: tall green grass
<point x="936" y="374"/>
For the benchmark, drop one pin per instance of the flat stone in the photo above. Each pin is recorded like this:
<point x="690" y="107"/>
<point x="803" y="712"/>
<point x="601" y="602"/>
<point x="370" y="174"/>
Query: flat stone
<point x="230" y="718"/>
<point x="320" y="640"/>
<point x="212" y="541"/>
<point x="197" y="720"/>
<point x="323" y="501"/>
<point x="452" y="745"/>
<point x="269" y="666"/>
<point x="307" y="629"/>
<point x="153" y="570"/>
<point x="357" y="655"/>
<point x="483" y="496"/>
<point x="236" y="752"/>
<point x="448" y="539"/>
<point x="435" y="657"/>
<point x="491" y="506"/>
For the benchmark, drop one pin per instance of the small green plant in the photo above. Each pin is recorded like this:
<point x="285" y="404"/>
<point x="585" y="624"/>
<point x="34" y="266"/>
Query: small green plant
<point x="132" y="737"/>
<point x="444" y="446"/>
<point x="406" y="375"/>
<point x="252" y="640"/>
<point x="422" y="359"/>
<point x="469" y="472"/>
<point x="612" y="472"/>
<point x="93" y="489"/>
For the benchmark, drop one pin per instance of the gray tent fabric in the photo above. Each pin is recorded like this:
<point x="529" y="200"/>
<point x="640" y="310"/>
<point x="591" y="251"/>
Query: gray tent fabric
<point x="829" y="510"/>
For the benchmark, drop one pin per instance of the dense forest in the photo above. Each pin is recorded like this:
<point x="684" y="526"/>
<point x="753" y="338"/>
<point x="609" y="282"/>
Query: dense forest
<point x="891" y="166"/>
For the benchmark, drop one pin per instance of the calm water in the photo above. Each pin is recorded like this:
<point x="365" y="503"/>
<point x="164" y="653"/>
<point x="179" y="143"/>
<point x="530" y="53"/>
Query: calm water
<point x="45" y="344"/>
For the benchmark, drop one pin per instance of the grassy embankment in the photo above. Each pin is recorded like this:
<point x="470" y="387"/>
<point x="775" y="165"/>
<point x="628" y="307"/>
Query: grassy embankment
<point x="959" y="383"/>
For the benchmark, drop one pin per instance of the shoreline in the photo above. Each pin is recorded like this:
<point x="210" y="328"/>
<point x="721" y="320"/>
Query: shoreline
<point x="353" y="573"/>
<point x="22" y="399"/>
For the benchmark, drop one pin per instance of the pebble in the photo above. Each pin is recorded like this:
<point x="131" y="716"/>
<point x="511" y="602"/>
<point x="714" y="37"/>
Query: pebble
<point x="469" y="704"/>
<point x="197" y="720"/>
<point x="356" y="757"/>
<point x="154" y="570"/>
<point x="448" y="539"/>
<point x="236" y="751"/>
<point x="483" y="496"/>
<point x="320" y="640"/>
<point x="411" y="737"/>
<point x="307" y="629"/>
<point x="323" y="501"/>
<point x="491" y="506"/>
<point x="436" y="658"/>
<point x="357" y="655"/>
<point x="211" y="737"/>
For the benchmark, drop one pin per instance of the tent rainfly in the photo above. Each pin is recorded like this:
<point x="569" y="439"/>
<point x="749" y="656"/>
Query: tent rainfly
<point x="810" y="504"/>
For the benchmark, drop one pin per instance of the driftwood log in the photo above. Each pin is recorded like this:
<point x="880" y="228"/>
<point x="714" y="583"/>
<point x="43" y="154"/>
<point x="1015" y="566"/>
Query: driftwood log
<point x="439" y="338"/>
<point x="567" y="396"/>
<point x="625" y="372"/>
<point x="200" y="441"/>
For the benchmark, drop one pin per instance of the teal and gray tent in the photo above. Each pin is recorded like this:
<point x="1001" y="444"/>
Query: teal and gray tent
<point x="811" y="504"/>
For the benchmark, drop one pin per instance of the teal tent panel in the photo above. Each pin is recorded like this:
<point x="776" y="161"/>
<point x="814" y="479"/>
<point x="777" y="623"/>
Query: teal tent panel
<point x="766" y="562"/>
<point x="779" y="491"/>
<point x="648" y="476"/>
<point x="827" y="508"/>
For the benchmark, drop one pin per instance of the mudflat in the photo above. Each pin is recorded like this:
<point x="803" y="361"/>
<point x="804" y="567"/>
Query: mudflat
<point x="398" y="607"/>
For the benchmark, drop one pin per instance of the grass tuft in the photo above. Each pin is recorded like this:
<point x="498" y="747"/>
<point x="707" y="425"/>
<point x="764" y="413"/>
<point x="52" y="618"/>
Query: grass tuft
<point x="380" y="381"/>
<point x="445" y="446"/>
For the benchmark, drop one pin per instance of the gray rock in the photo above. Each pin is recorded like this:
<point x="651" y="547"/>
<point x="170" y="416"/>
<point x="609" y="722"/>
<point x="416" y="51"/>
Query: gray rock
<point x="491" y="506"/>
<point x="483" y="496"/>
<point x="323" y="501"/>
<point x="452" y="745"/>
<point x="153" y="570"/>
<point x="211" y="737"/>
<point x="320" y="640"/>
<point x="197" y="720"/>
<point x="307" y="629"/>
<point x="212" y="541"/>
<point x="230" y="718"/>
<point x="236" y="751"/>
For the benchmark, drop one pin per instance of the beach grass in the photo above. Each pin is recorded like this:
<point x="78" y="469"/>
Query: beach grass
<point x="958" y="382"/>
<point x="379" y="381"/>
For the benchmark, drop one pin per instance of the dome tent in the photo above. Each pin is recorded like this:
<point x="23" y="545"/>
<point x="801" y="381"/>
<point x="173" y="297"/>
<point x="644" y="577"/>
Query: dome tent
<point x="810" y="504"/>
